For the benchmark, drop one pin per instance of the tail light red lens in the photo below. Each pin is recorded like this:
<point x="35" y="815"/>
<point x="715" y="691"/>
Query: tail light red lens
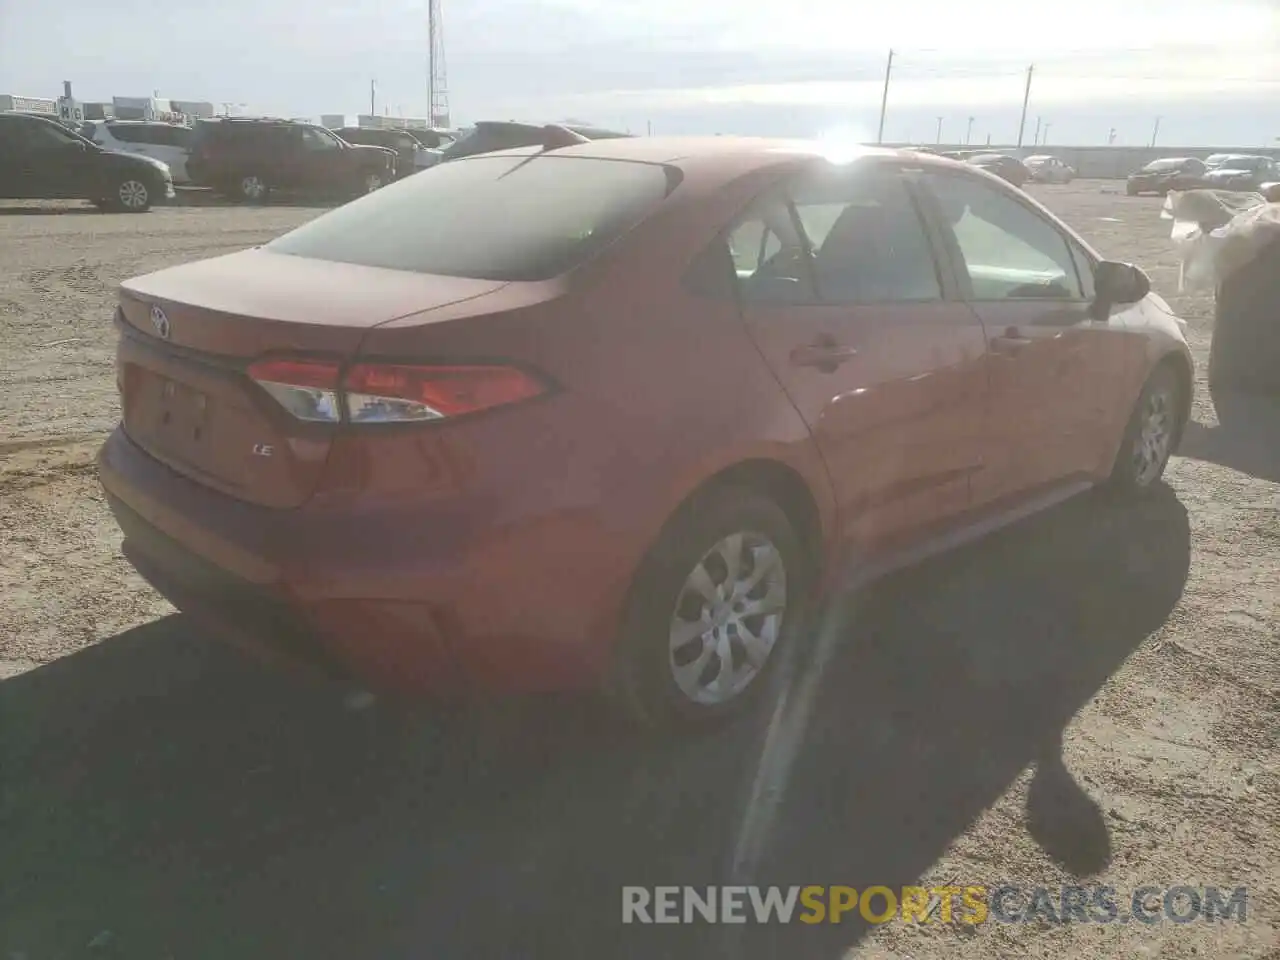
<point x="392" y="393"/>
<point x="379" y="393"/>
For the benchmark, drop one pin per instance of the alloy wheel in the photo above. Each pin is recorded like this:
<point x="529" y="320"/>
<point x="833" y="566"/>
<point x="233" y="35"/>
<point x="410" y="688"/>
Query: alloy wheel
<point x="253" y="188"/>
<point x="372" y="182"/>
<point x="727" y="618"/>
<point x="1154" y="442"/>
<point x="133" y="195"/>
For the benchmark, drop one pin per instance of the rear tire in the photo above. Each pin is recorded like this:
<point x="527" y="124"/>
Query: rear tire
<point x="711" y="608"/>
<point x="1150" y="436"/>
<point x="252" y="188"/>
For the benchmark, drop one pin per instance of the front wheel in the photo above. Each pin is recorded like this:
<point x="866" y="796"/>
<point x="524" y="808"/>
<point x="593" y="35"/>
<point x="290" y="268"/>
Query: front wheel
<point x="130" y="196"/>
<point x="370" y="182"/>
<point x="715" y="599"/>
<point x="1150" y="436"/>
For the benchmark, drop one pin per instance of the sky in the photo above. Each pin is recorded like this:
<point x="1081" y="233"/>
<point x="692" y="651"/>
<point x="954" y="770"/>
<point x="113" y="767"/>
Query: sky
<point x="1208" y="69"/>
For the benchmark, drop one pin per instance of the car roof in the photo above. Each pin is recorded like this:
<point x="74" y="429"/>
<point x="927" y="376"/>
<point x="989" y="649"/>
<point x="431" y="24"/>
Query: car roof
<point x="681" y="151"/>
<point x="586" y="129"/>
<point x="718" y="159"/>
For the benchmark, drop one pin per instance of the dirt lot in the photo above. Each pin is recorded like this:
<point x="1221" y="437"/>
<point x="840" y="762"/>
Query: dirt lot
<point x="1095" y="694"/>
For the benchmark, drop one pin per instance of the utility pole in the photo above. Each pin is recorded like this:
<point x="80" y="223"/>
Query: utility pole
<point x="1026" y="98"/>
<point x="648" y="125"/>
<point x="1111" y="136"/>
<point x="1155" y="132"/>
<point x="968" y="132"/>
<point x="884" y="98"/>
<point x="1046" y="133"/>
<point x="939" y="140"/>
<point x="988" y="139"/>
<point x="373" y="109"/>
<point x="1035" y="141"/>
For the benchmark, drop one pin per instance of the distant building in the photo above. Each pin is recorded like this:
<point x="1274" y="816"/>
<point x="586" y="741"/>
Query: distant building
<point x="43" y="105"/>
<point x="193" y="109"/>
<point x="374" y="122"/>
<point x="99" y="111"/>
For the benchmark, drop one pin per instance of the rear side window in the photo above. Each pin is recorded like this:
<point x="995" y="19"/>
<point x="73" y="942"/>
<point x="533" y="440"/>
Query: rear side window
<point x="490" y="218"/>
<point x="128" y="133"/>
<point x="869" y="243"/>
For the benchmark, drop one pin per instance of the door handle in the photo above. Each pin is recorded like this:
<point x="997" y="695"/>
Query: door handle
<point x="824" y="354"/>
<point x="1010" y="343"/>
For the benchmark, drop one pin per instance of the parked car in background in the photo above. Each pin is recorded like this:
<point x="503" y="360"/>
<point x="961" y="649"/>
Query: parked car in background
<point x="166" y="142"/>
<point x="1170" y="173"/>
<point x="40" y="159"/>
<point x="411" y="156"/>
<point x="1047" y="169"/>
<point x="348" y="443"/>
<point x="1010" y="169"/>
<point x="433" y="139"/>
<point x="250" y="158"/>
<point x="490" y="135"/>
<point x="1242" y="172"/>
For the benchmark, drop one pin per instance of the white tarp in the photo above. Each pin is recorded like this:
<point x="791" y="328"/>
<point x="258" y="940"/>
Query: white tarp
<point x="1217" y="232"/>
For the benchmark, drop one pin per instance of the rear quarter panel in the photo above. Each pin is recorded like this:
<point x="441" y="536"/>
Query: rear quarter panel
<point x="656" y="390"/>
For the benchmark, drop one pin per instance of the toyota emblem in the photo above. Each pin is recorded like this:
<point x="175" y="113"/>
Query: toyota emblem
<point x="160" y="322"/>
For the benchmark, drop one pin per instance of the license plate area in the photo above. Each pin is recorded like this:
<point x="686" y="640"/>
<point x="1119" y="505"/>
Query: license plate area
<point x="183" y="414"/>
<point x="175" y="420"/>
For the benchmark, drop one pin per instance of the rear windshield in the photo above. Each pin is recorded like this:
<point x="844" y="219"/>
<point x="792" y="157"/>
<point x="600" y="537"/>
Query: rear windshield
<point x="490" y="218"/>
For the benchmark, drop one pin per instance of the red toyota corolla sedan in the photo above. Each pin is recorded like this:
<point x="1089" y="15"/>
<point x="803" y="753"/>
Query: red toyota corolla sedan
<point x="601" y="415"/>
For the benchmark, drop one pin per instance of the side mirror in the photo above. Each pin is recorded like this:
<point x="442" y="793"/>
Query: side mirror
<point x="1119" y="283"/>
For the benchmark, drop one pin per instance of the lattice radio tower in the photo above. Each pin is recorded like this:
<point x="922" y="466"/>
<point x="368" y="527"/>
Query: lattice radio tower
<point x="437" y="84"/>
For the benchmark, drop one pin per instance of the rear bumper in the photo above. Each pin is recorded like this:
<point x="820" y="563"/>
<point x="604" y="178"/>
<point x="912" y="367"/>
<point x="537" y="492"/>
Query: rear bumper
<point x="407" y="601"/>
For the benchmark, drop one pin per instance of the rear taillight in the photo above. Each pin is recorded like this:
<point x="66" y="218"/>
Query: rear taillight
<point x="308" y="389"/>
<point x="391" y="393"/>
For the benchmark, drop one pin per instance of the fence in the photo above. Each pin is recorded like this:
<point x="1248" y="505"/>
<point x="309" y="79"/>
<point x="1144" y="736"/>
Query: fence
<point x="1109" y="162"/>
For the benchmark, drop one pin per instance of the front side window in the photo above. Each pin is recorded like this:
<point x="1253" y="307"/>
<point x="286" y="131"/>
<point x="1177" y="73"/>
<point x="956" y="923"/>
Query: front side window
<point x="39" y="135"/>
<point x="1010" y="252"/>
<point x="490" y="218"/>
<point x="868" y="241"/>
<point x="313" y="138"/>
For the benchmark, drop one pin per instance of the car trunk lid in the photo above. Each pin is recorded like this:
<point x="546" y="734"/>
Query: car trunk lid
<point x="189" y="334"/>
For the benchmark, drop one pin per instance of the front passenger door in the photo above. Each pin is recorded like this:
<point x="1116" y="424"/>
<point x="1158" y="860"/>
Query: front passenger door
<point x="1054" y="369"/>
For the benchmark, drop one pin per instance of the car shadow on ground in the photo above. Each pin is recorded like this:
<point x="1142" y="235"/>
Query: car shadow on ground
<point x="1247" y="437"/>
<point x="202" y="197"/>
<point x="161" y="797"/>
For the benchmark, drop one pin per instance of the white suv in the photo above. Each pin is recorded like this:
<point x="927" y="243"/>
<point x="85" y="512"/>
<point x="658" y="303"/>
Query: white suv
<point x="166" y="142"/>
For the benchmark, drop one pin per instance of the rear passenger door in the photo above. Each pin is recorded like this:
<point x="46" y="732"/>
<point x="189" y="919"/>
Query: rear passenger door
<point x="170" y="143"/>
<point x="1054" y="369"/>
<point x="321" y="159"/>
<point x="841" y="290"/>
<point x="15" y="179"/>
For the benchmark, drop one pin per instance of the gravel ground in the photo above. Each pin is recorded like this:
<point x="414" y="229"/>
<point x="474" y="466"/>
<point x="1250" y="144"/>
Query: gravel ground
<point x="1095" y="694"/>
